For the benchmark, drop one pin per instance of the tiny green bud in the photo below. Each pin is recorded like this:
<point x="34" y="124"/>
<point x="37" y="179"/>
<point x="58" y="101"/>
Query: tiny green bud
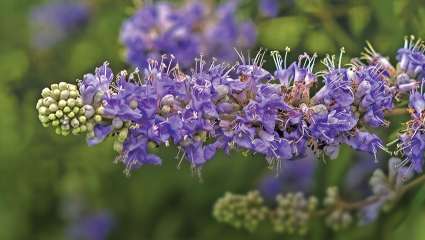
<point x="53" y="107"/>
<point x="90" y="134"/>
<point x="39" y="104"/>
<point x="65" y="127"/>
<point x="54" y="86"/>
<point x="66" y="109"/>
<point x="152" y="146"/>
<point x="76" y="110"/>
<point x="55" y="123"/>
<point x="71" y="115"/>
<point x="71" y="102"/>
<point x="75" y="123"/>
<point x="123" y="135"/>
<point x="48" y="100"/>
<point x="43" y="119"/>
<point x="52" y="116"/>
<point x="76" y="131"/>
<point x="56" y="93"/>
<point x="83" y="128"/>
<point x="58" y="131"/>
<point x="73" y="94"/>
<point x="62" y="103"/>
<point x="63" y="86"/>
<point x="90" y="126"/>
<point x="100" y="110"/>
<point x="64" y="94"/>
<point x="79" y="102"/>
<point x="46" y="92"/>
<point x="65" y="133"/>
<point x="97" y="118"/>
<point x="45" y="125"/>
<point x="118" y="147"/>
<point x="72" y="87"/>
<point x="82" y="119"/>
<point x="43" y="110"/>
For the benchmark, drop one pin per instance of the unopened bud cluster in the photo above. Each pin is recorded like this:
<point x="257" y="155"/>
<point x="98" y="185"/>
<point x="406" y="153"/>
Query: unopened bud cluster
<point x="293" y="213"/>
<point x="241" y="211"/>
<point x="61" y="107"/>
<point x="338" y="218"/>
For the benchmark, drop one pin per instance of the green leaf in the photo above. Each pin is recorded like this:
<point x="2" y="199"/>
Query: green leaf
<point x="278" y="33"/>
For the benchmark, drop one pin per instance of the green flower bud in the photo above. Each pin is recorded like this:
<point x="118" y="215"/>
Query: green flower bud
<point x="53" y="107"/>
<point x="76" y="131"/>
<point x="97" y="118"/>
<point x="90" y="126"/>
<point x="65" y="127"/>
<point x="66" y="109"/>
<point x="58" y="131"/>
<point x="43" y="110"/>
<point x="56" y="93"/>
<point x="76" y="110"/>
<point x="73" y="94"/>
<point x="65" y="133"/>
<point x="45" y="125"/>
<point x="118" y="147"/>
<point x="152" y="146"/>
<point x="63" y="86"/>
<point x="83" y="128"/>
<point x="100" y="110"/>
<point x="48" y="100"/>
<point x="55" y="123"/>
<point x="52" y="116"/>
<point x="79" y="102"/>
<point x="71" y="102"/>
<point x="39" y="104"/>
<point x="75" y="123"/>
<point x="72" y="87"/>
<point x="46" y="93"/>
<point x="62" y="103"/>
<point x="122" y="135"/>
<point x="43" y="118"/>
<point x="82" y="119"/>
<point x="71" y="115"/>
<point x="90" y="134"/>
<point x="54" y="86"/>
<point x="64" y="95"/>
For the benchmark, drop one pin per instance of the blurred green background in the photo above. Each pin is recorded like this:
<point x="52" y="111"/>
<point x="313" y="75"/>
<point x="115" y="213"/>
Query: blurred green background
<point x="40" y="171"/>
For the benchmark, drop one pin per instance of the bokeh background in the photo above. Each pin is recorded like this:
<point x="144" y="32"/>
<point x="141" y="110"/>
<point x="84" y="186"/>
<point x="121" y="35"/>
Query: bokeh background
<point x="51" y="186"/>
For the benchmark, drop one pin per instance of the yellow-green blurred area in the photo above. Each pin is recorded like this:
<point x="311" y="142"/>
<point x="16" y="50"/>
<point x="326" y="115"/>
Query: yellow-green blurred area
<point x="40" y="171"/>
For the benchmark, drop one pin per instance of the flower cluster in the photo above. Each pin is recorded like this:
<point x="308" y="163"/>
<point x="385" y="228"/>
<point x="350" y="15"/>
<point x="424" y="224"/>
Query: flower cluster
<point x="53" y="22"/>
<point x="241" y="211"/>
<point x="243" y="106"/>
<point x="292" y="211"/>
<point x="184" y="32"/>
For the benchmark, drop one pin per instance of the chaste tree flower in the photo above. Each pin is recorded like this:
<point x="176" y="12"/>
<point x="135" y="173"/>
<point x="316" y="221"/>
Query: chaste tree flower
<point x="184" y="32"/>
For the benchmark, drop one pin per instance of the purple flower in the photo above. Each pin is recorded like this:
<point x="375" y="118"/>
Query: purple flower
<point x="185" y="32"/>
<point x="411" y="58"/>
<point x="269" y="8"/>
<point x="54" y="22"/>
<point x="93" y="87"/>
<point x="365" y="141"/>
